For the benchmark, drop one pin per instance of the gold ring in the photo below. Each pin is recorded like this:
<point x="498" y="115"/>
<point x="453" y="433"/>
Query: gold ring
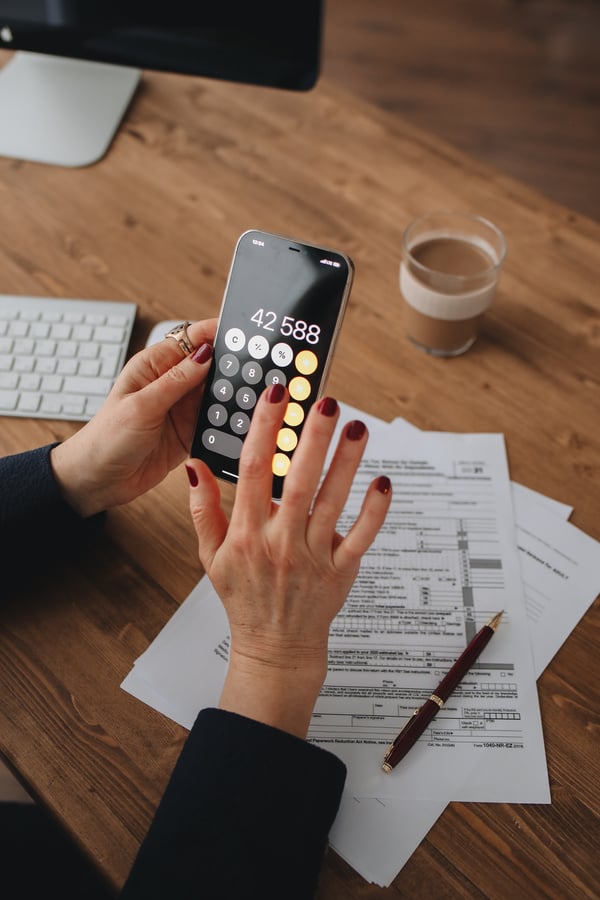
<point x="179" y="334"/>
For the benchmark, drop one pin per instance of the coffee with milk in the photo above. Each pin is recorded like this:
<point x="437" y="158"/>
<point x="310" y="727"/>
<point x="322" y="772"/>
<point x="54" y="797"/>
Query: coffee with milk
<point x="447" y="278"/>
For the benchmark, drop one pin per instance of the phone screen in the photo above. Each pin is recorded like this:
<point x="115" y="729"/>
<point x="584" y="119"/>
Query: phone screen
<point x="283" y="306"/>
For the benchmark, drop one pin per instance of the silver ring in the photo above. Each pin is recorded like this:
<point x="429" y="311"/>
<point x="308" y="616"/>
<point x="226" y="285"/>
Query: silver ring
<point x="179" y="334"/>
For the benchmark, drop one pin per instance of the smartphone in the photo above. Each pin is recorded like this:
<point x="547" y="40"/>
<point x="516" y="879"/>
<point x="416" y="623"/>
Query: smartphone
<point x="281" y="314"/>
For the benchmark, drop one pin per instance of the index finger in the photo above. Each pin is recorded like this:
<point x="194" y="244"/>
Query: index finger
<point x="253" y="499"/>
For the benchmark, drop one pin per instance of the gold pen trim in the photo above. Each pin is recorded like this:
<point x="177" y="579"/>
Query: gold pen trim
<point x="437" y="700"/>
<point x="493" y="623"/>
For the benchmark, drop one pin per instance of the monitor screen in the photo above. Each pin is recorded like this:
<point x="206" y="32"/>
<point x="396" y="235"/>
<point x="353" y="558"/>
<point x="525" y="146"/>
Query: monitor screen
<point x="268" y="44"/>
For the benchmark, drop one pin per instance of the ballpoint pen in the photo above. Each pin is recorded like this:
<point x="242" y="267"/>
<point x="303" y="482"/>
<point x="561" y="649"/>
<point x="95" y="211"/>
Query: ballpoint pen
<point x="421" y="717"/>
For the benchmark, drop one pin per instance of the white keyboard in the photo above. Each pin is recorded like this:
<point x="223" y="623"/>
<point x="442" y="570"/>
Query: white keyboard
<point x="59" y="358"/>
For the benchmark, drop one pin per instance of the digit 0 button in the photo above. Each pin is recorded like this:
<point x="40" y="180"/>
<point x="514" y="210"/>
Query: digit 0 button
<point x="299" y="388"/>
<point x="306" y="362"/>
<point x="223" y="443"/>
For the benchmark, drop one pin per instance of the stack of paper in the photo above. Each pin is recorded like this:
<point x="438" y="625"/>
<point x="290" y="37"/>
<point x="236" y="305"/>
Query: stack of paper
<point x="460" y="543"/>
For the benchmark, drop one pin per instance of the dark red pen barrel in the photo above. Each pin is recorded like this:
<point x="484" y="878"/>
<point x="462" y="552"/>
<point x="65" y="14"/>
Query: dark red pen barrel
<point x="411" y="732"/>
<point x="463" y="663"/>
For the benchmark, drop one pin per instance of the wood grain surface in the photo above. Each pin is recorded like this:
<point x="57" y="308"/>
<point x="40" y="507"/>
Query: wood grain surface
<point x="195" y="164"/>
<point x="515" y="83"/>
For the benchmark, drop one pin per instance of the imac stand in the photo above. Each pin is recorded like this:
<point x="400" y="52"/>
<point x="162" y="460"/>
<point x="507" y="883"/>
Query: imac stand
<point x="61" y="111"/>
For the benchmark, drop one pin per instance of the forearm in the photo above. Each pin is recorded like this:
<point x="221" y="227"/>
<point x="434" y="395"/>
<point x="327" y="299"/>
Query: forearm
<point x="36" y="524"/>
<point x="246" y="813"/>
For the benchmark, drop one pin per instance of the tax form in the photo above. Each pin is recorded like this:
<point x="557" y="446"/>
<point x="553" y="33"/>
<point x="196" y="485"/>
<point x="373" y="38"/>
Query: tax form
<point x="377" y="834"/>
<point x="443" y="564"/>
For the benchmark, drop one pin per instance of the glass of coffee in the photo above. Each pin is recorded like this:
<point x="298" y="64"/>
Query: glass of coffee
<point x="450" y="267"/>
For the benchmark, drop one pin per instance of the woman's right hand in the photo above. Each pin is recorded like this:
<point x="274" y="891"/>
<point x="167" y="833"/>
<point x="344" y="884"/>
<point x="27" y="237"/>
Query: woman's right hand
<point x="282" y="570"/>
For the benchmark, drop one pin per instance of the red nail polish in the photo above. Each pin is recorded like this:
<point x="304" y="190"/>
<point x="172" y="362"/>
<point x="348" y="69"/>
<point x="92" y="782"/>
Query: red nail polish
<point x="203" y="353"/>
<point x="275" y="393"/>
<point x="383" y="484"/>
<point x="355" y="430"/>
<point x="192" y="477"/>
<point x="327" y="406"/>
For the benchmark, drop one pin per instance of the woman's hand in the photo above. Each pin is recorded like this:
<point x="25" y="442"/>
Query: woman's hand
<point x="142" y="431"/>
<point x="282" y="570"/>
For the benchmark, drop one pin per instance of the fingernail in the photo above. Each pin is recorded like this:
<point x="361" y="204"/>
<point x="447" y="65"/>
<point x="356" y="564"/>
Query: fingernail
<point x="192" y="477"/>
<point x="355" y="430"/>
<point x="275" y="393"/>
<point x="383" y="484"/>
<point x="327" y="406"/>
<point x="202" y="353"/>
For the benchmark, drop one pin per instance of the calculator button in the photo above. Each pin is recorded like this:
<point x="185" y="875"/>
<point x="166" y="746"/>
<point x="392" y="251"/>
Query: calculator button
<point x="239" y="423"/>
<point x="217" y="415"/>
<point x="223" y="389"/>
<point x="245" y="398"/>
<point x="306" y="362"/>
<point x="252" y="372"/>
<point x="280" y="464"/>
<point x="282" y="354"/>
<point x="294" y="414"/>
<point x="229" y="364"/>
<point x="287" y="439"/>
<point x="299" y="388"/>
<point x="258" y="347"/>
<point x="275" y="376"/>
<point x="223" y="443"/>
<point x="235" y="339"/>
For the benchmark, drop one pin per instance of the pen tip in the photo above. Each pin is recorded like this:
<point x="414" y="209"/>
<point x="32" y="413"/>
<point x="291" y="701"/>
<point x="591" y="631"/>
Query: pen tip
<point x="386" y="767"/>
<point x="495" y="621"/>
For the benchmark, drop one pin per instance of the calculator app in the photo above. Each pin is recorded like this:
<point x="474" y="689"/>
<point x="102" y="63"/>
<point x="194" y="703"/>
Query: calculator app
<point x="283" y="305"/>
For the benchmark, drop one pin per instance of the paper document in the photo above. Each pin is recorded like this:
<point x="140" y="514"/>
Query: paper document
<point x="377" y="830"/>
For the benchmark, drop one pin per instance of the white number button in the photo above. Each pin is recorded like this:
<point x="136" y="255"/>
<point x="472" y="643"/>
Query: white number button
<point x="245" y="398"/>
<point x="223" y="389"/>
<point x="239" y="423"/>
<point x="229" y="364"/>
<point x="275" y="376"/>
<point x="252" y="372"/>
<point x="217" y="414"/>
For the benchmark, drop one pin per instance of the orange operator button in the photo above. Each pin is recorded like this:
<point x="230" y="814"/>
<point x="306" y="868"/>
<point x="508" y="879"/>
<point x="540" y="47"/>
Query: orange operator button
<point x="306" y="362"/>
<point x="294" y="414"/>
<point x="281" y="464"/>
<point x="299" y="388"/>
<point x="287" y="439"/>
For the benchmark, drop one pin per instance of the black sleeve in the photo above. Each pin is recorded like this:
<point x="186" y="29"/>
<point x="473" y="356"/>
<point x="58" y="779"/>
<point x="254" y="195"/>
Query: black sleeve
<point x="246" y="814"/>
<point x="36" y="524"/>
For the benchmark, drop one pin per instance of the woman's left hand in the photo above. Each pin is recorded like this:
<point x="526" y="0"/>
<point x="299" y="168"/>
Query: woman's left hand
<point x="143" y="430"/>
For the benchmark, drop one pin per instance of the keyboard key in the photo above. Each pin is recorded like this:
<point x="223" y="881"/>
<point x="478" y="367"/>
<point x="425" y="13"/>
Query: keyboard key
<point x="108" y="335"/>
<point x="9" y="380"/>
<point x="29" y="402"/>
<point x="52" y="383"/>
<point x="8" y="399"/>
<point x="73" y="384"/>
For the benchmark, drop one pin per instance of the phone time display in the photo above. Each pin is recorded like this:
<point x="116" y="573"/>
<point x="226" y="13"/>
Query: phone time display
<point x="289" y="327"/>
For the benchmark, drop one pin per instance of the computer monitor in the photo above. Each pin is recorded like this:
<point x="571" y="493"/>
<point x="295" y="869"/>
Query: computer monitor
<point x="63" y="94"/>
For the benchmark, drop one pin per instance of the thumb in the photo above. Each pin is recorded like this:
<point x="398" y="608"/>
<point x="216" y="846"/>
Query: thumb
<point x="178" y="380"/>
<point x="208" y="517"/>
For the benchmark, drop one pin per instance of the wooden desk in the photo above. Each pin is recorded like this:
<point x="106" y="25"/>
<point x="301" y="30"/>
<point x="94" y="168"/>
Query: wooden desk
<point x="195" y="164"/>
